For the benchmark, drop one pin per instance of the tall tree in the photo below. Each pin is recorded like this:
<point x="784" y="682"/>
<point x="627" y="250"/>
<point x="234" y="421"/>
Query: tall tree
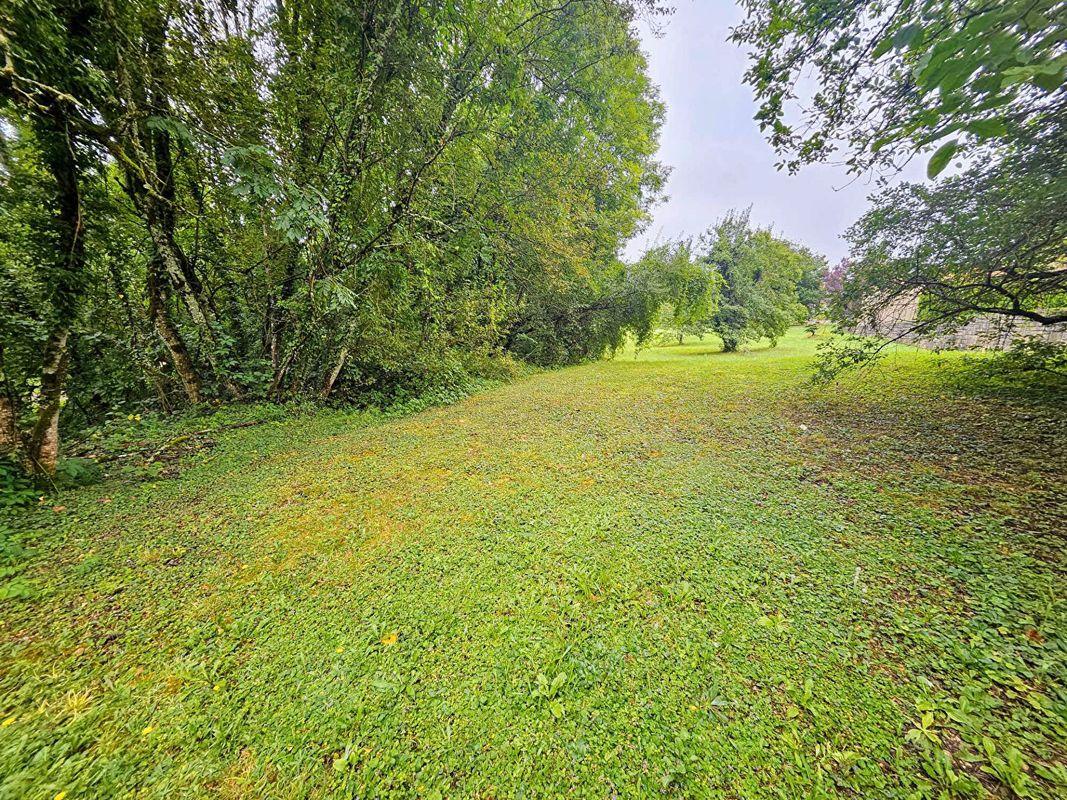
<point x="45" y="49"/>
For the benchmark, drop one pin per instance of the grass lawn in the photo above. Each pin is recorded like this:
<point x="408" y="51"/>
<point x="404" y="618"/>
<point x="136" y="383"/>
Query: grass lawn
<point x="685" y="573"/>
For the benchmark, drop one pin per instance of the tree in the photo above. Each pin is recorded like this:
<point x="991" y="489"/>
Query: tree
<point x="985" y="242"/>
<point x="687" y="289"/>
<point x="834" y="279"/>
<point x="811" y="290"/>
<point x="55" y="39"/>
<point x="759" y="274"/>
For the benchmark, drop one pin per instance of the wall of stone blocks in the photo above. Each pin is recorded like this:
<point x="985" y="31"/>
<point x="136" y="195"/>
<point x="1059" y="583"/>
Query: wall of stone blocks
<point x="986" y="332"/>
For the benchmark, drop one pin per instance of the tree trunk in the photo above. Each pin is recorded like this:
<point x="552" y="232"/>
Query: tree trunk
<point x="279" y="313"/>
<point x="282" y="372"/>
<point x="58" y="150"/>
<point x="9" y="414"/>
<point x="9" y="432"/>
<point x="150" y="184"/>
<point x="44" y="439"/>
<point x="300" y="46"/>
<point x="158" y="209"/>
<point x="160" y="220"/>
<point x="335" y="373"/>
<point x="140" y="353"/>
<point x="172" y="258"/>
<point x="172" y="339"/>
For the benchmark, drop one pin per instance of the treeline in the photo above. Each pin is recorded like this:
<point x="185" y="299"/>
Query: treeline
<point x="737" y="281"/>
<point x="205" y="200"/>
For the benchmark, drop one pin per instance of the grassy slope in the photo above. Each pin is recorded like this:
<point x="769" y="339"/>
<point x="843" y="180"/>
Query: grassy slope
<point x="749" y="589"/>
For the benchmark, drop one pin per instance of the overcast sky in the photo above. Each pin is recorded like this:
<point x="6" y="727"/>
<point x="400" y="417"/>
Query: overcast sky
<point x="720" y="158"/>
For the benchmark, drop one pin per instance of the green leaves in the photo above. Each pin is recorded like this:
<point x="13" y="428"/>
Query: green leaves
<point x="924" y="731"/>
<point x="941" y="158"/>
<point x="1048" y="76"/>
<point x="1008" y="767"/>
<point x="987" y="128"/>
<point x="903" y="37"/>
<point x="906" y="36"/>
<point x="881" y="70"/>
<point x="18" y="588"/>
<point x="175" y="127"/>
<point x="882" y="48"/>
<point x="759" y="275"/>
<point x="548" y="691"/>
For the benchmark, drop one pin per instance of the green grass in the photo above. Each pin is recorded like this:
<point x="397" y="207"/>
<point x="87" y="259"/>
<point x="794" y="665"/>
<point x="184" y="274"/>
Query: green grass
<point x="683" y="573"/>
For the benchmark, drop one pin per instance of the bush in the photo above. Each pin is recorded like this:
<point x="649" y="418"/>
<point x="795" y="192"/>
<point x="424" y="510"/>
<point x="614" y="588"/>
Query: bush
<point x="16" y="487"/>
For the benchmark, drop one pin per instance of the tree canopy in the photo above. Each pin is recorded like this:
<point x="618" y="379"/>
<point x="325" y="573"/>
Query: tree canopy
<point x="891" y="78"/>
<point x="212" y="201"/>
<point x="987" y="241"/>
<point x="760" y="274"/>
<point x="689" y="288"/>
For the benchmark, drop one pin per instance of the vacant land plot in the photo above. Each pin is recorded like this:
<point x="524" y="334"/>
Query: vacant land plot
<point x="683" y="573"/>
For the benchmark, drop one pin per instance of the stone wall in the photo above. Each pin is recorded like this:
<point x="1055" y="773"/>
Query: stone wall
<point x="986" y="332"/>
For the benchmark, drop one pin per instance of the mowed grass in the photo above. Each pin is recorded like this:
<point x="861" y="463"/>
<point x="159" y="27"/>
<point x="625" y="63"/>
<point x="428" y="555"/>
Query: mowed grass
<point x="681" y="573"/>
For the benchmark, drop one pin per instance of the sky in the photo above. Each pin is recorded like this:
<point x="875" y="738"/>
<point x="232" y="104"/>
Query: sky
<point x="719" y="157"/>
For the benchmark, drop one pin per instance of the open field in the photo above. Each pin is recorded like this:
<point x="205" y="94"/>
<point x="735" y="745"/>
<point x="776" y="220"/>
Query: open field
<point x="683" y="573"/>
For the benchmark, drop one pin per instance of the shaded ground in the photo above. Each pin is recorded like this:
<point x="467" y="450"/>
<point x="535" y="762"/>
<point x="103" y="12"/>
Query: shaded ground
<point x="683" y="573"/>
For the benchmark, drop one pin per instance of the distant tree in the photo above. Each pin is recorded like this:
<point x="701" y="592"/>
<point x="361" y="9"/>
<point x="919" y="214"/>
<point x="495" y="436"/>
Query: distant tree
<point x="834" y="280"/>
<point x="687" y="288"/>
<point x="759" y="274"/>
<point x="811" y="291"/>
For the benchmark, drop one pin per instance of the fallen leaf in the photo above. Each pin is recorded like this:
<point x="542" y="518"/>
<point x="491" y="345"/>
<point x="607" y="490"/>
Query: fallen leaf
<point x="1035" y="636"/>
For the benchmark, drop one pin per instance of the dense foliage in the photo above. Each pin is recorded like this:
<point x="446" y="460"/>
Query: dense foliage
<point x="219" y="200"/>
<point x="690" y="290"/>
<point x="893" y="77"/>
<point x="985" y="80"/>
<point x="761" y="276"/>
<point x="739" y="282"/>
